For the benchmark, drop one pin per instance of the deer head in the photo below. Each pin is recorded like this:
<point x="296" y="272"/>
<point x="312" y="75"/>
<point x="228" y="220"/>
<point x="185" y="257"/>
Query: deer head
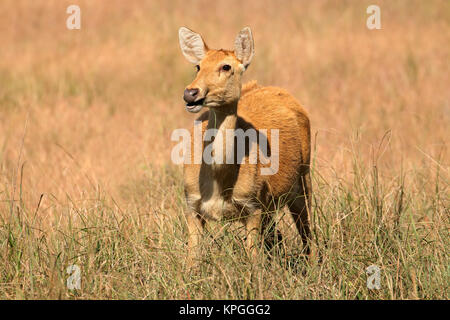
<point x="219" y="72"/>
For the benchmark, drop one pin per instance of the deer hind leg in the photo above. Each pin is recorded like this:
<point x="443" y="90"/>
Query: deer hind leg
<point x="252" y="226"/>
<point x="300" y="207"/>
<point x="195" y="226"/>
<point x="268" y="229"/>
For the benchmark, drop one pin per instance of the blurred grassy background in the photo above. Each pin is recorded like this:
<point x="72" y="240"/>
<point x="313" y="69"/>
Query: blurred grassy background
<point x="85" y="123"/>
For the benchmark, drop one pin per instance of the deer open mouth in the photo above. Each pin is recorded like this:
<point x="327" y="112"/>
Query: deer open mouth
<point x="196" y="103"/>
<point x="195" y="106"/>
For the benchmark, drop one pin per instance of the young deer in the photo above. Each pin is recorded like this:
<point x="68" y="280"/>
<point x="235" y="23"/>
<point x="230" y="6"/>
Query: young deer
<point x="238" y="190"/>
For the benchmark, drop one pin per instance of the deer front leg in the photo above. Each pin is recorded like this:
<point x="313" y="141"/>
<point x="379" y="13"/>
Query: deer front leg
<point x="252" y="227"/>
<point x="195" y="226"/>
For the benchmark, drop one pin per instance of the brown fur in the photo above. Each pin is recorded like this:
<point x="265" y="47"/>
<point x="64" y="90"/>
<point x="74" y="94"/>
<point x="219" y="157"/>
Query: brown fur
<point x="219" y="191"/>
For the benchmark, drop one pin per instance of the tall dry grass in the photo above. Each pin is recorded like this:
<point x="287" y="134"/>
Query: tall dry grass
<point x="85" y="170"/>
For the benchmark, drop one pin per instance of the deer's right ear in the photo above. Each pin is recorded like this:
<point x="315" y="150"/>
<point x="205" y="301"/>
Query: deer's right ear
<point x="192" y="45"/>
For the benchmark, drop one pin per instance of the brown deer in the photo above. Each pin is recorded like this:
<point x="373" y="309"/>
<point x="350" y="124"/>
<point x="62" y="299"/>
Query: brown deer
<point x="223" y="190"/>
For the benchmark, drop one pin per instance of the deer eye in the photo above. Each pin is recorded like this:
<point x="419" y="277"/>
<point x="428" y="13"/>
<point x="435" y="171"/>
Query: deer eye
<point x="226" y="67"/>
<point x="198" y="68"/>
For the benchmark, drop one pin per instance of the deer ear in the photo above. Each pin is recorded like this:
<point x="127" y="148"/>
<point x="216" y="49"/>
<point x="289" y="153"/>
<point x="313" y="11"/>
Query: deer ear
<point x="192" y="45"/>
<point x="244" y="48"/>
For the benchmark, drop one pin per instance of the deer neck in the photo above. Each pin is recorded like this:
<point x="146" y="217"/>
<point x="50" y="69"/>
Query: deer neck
<point x="222" y="119"/>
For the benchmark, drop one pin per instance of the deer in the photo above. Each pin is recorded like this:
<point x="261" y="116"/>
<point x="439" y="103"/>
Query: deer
<point x="220" y="190"/>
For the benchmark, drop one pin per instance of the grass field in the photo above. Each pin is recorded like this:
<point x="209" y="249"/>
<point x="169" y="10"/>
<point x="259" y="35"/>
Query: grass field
<point x="85" y="171"/>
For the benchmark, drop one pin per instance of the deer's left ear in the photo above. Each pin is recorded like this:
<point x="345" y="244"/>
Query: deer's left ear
<point x="192" y="45"/>
<point x="244" y="48"/>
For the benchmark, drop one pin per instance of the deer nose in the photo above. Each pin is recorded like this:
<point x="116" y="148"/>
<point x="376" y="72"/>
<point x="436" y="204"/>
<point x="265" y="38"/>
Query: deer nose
<point x="190" y="95"/>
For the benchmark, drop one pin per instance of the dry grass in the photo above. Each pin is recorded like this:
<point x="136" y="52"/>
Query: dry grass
<point x="85" y="170"/>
